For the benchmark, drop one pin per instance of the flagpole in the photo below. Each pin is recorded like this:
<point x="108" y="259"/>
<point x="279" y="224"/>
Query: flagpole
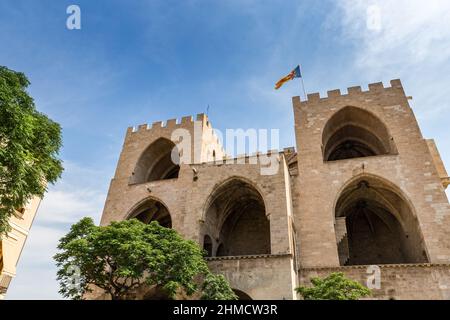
<point x="303" y="86"/>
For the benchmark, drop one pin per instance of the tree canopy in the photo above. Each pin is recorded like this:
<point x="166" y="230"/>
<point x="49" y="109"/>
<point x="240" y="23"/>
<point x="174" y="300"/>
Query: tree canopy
<point x="334" y="287"/>
<point x="125" y="255"/>
<point x="29" y="145"/>
<point x="216" y="287"/>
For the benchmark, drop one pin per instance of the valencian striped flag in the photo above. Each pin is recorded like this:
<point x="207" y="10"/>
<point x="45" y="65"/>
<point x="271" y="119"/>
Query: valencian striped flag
<point x="294" y="74"/>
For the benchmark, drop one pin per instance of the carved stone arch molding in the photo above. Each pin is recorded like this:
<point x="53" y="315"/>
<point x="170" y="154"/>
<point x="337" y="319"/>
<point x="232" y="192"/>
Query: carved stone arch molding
<point x="353" y="132"/>
<point x="235" y="218"/>
<point x="375" y="223"/>
<point x="159" y="161"/>
<point x="151" y="209"/>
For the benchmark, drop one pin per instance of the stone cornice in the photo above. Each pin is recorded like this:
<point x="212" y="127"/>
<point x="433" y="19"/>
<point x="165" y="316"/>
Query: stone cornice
<point x="256" y="256"/>
<point x="385" y="266"/>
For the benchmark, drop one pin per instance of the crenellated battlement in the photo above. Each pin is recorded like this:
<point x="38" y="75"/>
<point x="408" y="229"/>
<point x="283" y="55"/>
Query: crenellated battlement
<point x="171" y="123"/>
<point x="206" y="143"/>
<point x="356" y="90"/>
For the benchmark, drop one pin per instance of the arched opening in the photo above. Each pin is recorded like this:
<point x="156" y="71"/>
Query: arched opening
<point x="353" y="133"/>
<point x="236" y="216"/>
<point x="375" y="224"/>
<point x="152" y="210"/>
<point x="207" y="245"/>
<point x="242" y="295"/>
<point x="156" y="162"/>
<point x="220" y="252"/>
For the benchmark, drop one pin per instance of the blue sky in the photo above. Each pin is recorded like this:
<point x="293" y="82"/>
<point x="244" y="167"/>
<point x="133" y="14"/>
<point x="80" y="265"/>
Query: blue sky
<point x="141" y="61"/>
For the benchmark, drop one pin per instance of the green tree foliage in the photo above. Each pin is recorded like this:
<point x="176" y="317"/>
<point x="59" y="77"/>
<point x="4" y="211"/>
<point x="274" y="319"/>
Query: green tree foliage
<point x="334" y="287"/>
<point x="216" y="287"/>
<point x="125" y="255"/>
<point x="29" y="145"/>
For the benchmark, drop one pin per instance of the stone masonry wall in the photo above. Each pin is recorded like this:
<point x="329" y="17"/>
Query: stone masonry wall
<point x="261" y="277"/>
<point x="400" y="282"/>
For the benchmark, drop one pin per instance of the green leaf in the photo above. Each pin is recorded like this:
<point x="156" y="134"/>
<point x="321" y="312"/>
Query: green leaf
<point x="29" y="146"/>
<point x="334" y="287"/>
<point x="125" y="255"/>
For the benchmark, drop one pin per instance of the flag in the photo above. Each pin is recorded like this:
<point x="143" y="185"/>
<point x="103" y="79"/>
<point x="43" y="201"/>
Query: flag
<point x="294" y="74"/>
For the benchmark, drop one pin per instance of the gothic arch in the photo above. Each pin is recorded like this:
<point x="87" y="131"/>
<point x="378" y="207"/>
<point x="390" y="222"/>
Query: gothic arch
<point x="156" y="162"/>
<point x="219" y="185"/>
<point x="375" y="223"/>
<point x="235" y="218"/>
<point x="208" y="245"/>
<point x="151" y="209"/>
<point x="353" y="132"/>
<point x="220" y="250"/>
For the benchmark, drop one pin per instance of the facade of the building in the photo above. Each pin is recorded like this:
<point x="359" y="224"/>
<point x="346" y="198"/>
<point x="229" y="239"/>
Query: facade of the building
<point x="362" y="188"/>
<point x="11" y="244"/>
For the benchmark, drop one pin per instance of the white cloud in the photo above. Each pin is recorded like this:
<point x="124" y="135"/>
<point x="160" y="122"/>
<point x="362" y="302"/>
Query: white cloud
<point x="62" y="206"/>
<point x="81" y="192"/>
<point x="411" y="32"/>
<point x="38" y="283"/>
<point x="412" y="43"/>
<point x="36" y="272"/>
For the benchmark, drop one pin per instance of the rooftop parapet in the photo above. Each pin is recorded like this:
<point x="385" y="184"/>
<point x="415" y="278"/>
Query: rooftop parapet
<point x="170" y="124"/>
<point x="356" y="90"/>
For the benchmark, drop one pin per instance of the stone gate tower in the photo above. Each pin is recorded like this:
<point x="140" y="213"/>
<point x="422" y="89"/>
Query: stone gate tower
<point x="370" y="191"/>
<point x="364" y="188"/>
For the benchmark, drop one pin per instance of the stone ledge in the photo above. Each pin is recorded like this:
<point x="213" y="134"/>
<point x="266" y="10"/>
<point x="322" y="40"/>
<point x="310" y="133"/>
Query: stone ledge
<point x="405" y="265"/>
<point x="149" y="183"/>
<point x="393" y="156"/>
<point x="445" y="182"/>
<point x="257" y="158"/>
<point x="256" y="256"/>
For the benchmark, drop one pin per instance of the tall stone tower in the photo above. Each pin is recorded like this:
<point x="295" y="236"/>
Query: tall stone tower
<point x="238" y="213"/>
<point x="371" y="189"/>
<point x="363" y="193"/>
